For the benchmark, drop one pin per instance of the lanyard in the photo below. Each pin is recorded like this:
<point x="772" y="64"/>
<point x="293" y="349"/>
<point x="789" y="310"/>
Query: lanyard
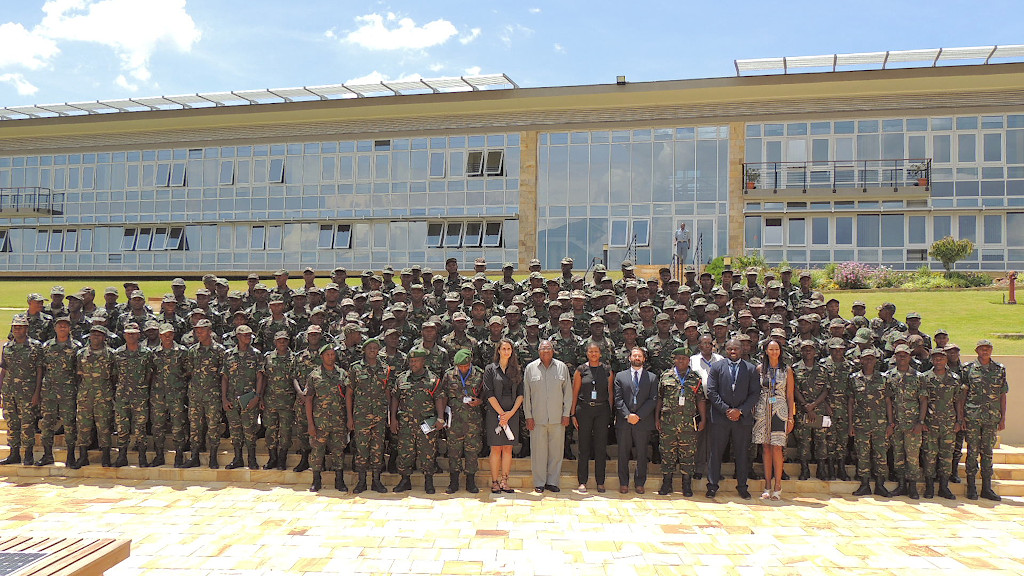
<point x="465" y="391"/>
<point x="682" y="381"/>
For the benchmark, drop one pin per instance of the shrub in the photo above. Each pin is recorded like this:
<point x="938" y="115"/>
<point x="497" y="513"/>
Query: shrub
<point x="852" y="276"/>
<point x="739" y="264"/>
<point x="968" y="279"/>
<point x="885" y="277"/>
<point x="950" y="251"/>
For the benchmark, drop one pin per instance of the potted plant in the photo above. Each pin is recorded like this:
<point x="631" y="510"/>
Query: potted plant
<point x="751" y="175"/>
<point x="919" y="171"/>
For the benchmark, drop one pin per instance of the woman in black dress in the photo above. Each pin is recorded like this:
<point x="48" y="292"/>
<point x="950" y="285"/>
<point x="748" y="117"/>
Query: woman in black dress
<point x="591" y="412"/>
<point x="503" y="392"/>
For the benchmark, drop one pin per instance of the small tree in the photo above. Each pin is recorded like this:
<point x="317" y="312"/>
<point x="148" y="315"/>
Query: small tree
<point x="950" y="251"/>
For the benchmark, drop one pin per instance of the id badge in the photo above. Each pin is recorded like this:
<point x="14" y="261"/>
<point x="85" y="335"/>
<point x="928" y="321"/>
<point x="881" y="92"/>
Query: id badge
<point x="467" y="399"/>
<point x="682" y="400"/>
<point x="593" y="394"/>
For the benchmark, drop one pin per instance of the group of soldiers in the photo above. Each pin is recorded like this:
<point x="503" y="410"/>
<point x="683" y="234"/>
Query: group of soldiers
<point x="389" y="368"/>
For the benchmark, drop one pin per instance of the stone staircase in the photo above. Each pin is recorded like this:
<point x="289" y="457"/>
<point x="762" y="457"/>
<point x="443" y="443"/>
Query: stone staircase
<point x="1008" y="463"/>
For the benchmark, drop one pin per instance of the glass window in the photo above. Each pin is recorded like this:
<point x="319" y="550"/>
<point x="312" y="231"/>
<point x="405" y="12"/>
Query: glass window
<point x="844" y="149"/>
<point x="993" y="229"/>
<point x="473" y="234"/>
<point x="993" y="147"/>
<point x="434" y="230"/>
<point x="56" y="240"/>
<point x="942" y="226"/>
<point x="892" y="230"/>
<point x="867" y="230"/>
<point x="42" y="240"/>
<point x="163" y="174"/>
<point x="326" y="239"/>
<point x="492" y="234"/>
<point x="819" y="231"/>
<point x="752" y="232"/>
<point x="966" y="145"/>
<point x="967" y="123"/>
<point x="258" y="240"/>
<point x="128" y="240"/>
<point x="773" y="232"/>
<point x="227" y="172"/>
<point x="495" y="162"/>
<point x="1015" y="229"/>
<point x="177" y="174"/>
<point x="797" y="231"/>
<point x="1015" y="146"/>
<point x="453" y="235"/>
<point x="276" y="171"/>
<point x="967" y="227"/>
<point x="941" y="148"/>
<point x="174" y="237"/>
<point x="844" y="230"/>
<point x="916" y="229"/>
<point x="85" y="240"/>
<point x="437" y="164"/>
<point x="159" y="239"/>
<point x="143" y="242"/>
<point x="70" y="240"/>
<point x="343" y="236"/>
<point x="474" y="163"/>
<point x="620" y="230"/>
<point x="642" y="232"/>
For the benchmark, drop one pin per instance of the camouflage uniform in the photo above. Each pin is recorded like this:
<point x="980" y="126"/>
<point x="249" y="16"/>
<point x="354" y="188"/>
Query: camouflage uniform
<point x="240" y="368"/>
<point x="906" y="390"/>
<point x="811" y="381"/>
<point x="678" y="438"/>
<point x="204" y="402"/>
<point x="985" y="386"/>
<point x="327" y="390"/>
<point x="837" y="376"/>
<point x="438" y="359"/>
<point x="415" y="393"/>
<point x="131" y="399"/>
<point x="167" y="397"/>
<point x="659" y="352"/>
<point x="95" y="396"/>
<point x="567" y="349"/>
<point x="305" y="362"/>
<point x="484" y="353"/>
<point x="369" y="384"/>
<point x="453" y="344"/>
<point x="279" y="399"/>
<point x="21" y="363"/>
<point x="465" y="435"/>
<point x="941" y="420"/>
<point x="870" y="419"/>
<point x="59" y="390"/>
<point x="40" y="327"/>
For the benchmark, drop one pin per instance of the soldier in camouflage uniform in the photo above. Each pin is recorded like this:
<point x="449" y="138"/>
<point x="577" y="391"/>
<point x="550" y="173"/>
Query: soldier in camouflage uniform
<point x="20" y="378"/>
<point x="681" y="402"/>
<point x="326" y="410"/>
<point x="484" y="353"/>
<point x="811" y="392"/>
<point x="204" y="361"/>
<point x="131" y="398"/>
<point x="59" y="389"/>
<point x="909" y="395"/>
<point x="871" y="412"/>
<point x="458" y="338"/>
<point x="271" y="325"/>
<point x="276" y="389"/>
<point x="370" y="381"/>
<point x="40" y="324"/>
<point x="168" y="395"/>
<point x="944" y="418"/>
<point x="985" y="415"/>
<point x="460" y="391"/>
<point x="437" y="355"/>
<point x="306" y="360"/>
<point x="413" y="403"/>
<point x="837" y="375"/>
<point x="660" y="346"/>
<point x="238" y="396"/>
<point x="96" y="367"/>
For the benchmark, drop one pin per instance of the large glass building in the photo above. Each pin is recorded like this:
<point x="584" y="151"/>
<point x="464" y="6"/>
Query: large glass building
<point x="810" y="168"/>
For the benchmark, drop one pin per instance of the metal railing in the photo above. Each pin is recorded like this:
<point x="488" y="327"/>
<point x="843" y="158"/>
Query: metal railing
<point x="835" y="174"/>
<point x="31" y="201"/>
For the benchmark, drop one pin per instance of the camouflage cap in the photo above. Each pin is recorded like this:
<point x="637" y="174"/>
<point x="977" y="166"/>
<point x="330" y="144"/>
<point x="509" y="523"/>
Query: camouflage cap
<point x="430" y="323"/>
<point x="836" y="343"/>
<point x="774" y="284"/>
<point x="36" y="297"/>
<point x="612" y="309"/>
<point x="554" y="304"/>
<point x="721" y="322"/>
<point x="253" y="276"/>
<point x="165" y="328"/>
<point x="389" y="315"/>
<point x="277" y="299"/>
<point x="345" y="302"/>
<point x="532" y="321"/>
<point x="61" y="319"/>
<point x="912" y="315"/>
<point x="941" y="331"/>
<point x="566" y="317"/>
<point x="778" y="332"/>
<point x="223" y="282"/>
<point x="460" y="317"/>
<point x="699" y="302"/>
<point x="243" y="329"/>
<point x="859" y="303"/>
<point x="204" y="323"/>
<point x="321" y="309"/>
<point x="902" y="349"/>
<point x="808" y="343"/>
<point x="863" y="336"/>
<point x="629" y="326"/>
<point x="150" y="325"/>
<point x="309" y="270"/>
<point x="326" y="348"/>
<point x="596" y="320"/>
<point x="240" y="312"/>
<point x="178" y="282"/>
<point x="331" y="286"/>
<point x="869" y="352"/>
<point x="209" y="277"/>
<point x="339" y="270"/>
<point x="451" y="297"/>
<point x="887" y="305"/>
<point x="57" y="290"/>
<point x="315" y="328"/>
<point x="200" y="292"/>
<point x="755" y="302"/>
<point x="776" y="319"/>
<point x="983" y="342"/>
<point x="937" y="352"/>
<point x="712" y="308"/>
<point x="389" y="269"/>
<point x="299" y="293"/>
<point x="691" y="324"/>
<point x="99" y="328"/>
<point x="282" y="334"/>
<point x="744" y="314"/>
<point x="400" y="306"/>
<point x="138" y="294"/>
<point x="260" y="286"/>
<point x="951" y="346"/>
<point x="198" y="312"/>
<point x="567" y="260"/>
<point x="236" y="294"/>
<point x="785" y="270"/>
<point x="513" y="309"/>
<point x="534" y="262"/>
<point x="80" y="295"/>
<point x="662" y="317"/>
<point x="131" y="328"/>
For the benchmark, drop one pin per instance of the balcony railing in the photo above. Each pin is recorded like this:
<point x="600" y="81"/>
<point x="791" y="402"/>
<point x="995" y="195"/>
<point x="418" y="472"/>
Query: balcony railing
<point x="837" y="174"/>
<point x="30" y="201"/>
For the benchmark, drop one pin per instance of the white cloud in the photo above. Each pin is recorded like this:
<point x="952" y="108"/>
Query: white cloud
<point x="467" y="38"/>
<point x="376" y="77"/>
<point x="20" y="47"/>
<point x="510" y="31"/>
<point x="534" y="10"/>
<point x="436" y="67"/>
<point x="559" y="48"/>
<point x="473" y="71"/>
<point x="23" y="86"/>
<point x="124" y="83"/>
<point x="374" y="34"/>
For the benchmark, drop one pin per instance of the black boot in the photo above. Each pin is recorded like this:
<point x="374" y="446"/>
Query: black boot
<point x="339" y="481"/>
<point x="666" y="485"/>
<point x="880" y="488"/>
<point x="213" y="459"/>
<point x="251" y="457"/>
<point x="687" y="487"/>
<point x="47" y="455"/>
<point x="805" y="470"/>
<point x="929" y="488"/>
<point x="143" y="460"/>
<point x="820" y="470"/>
<point x="841" y="471"/>
<point x="428" y="483"/>
<point x="656" y="454"/>
<point x="14" y="457"/>
<point x="83" y="457"/>
<point x="29" y="459"/>
<point x="954" y="477"/>
<point x="865" y="488"/>
<point x="317" y="483"/>
<point x="237" y="462"/>
<point x="785" y="476"/>
<point x="122" y="457"/>
<point x="471" y="484"/>
<point x="272" y="463"/>
<point x="158" y="458"/>
<point x="193" y="462"/>
<point x="392" y="463"/>
<point x="303" y="462"/>
<point x="453" y="484"/>
<point x="986" y="489"/>
<point x="568" y="455"/>
<point x="912" y="490"/>
<point x="72" y="462"/>
<point x="944" y="488"/>
<point x="105" y="458"/>
<point x="361" y="483"/>
<point x="378" y="486"/>
<point x="829" y="474"/>
<point x="901" y="488"/>
<point x="179" y="458"/>
<point x="404" y="485"/>
<point x="972" y="487"/>
<point x="282" y="459"/>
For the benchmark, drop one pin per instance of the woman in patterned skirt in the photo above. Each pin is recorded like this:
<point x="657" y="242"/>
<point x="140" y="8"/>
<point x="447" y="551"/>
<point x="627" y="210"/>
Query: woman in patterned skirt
<point x="773" y="416"/>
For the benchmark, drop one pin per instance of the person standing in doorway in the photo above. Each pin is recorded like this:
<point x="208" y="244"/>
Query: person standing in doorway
<point x="681" y="239"/>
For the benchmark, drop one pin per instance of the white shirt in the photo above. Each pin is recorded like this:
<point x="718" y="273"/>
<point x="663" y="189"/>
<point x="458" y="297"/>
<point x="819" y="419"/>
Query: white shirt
<point x="634" y="373"/>
<point x="701" y="366"/>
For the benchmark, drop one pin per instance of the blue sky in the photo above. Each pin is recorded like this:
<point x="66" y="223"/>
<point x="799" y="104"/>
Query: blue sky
<point x="54" y="51"/>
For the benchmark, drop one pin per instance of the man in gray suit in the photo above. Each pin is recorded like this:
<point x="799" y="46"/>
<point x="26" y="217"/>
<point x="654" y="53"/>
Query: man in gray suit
<point x="547" y="399"/>
<point x="636" y="396"/>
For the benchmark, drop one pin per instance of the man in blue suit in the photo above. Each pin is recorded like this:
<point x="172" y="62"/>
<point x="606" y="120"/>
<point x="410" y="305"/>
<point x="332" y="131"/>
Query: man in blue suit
<point x="636" y="396"/>
<point x="733" y="390"/>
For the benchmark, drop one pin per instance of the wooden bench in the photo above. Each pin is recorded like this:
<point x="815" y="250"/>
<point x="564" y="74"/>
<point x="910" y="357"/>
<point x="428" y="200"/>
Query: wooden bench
<point x="67" y="556"/>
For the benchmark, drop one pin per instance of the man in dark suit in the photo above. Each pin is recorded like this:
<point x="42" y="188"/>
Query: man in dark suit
<point x="636" y="396"/>
<point x="733" y="390"/>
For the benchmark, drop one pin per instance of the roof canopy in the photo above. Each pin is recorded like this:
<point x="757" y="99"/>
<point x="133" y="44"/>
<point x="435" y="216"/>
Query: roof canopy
<point x="862" y="60"/>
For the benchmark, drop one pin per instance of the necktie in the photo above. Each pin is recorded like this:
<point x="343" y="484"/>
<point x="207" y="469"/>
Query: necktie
<point x="636" y="385"/>
<point x="734" y="368"/>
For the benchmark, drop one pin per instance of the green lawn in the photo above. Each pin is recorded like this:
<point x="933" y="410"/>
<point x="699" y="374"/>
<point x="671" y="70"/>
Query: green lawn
<point x="968" y="315"/>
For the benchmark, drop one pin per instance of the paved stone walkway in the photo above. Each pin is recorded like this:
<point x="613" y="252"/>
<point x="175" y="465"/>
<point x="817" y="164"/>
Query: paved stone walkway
<point x="258" y="529"/>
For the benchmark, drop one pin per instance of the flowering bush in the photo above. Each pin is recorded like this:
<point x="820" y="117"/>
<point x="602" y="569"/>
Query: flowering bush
<point x="852" y="275"/>
<point x="886" y="277"/>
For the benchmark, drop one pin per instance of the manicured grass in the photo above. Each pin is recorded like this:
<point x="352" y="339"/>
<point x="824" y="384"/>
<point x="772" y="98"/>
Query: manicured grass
<point x="968" y="315"/>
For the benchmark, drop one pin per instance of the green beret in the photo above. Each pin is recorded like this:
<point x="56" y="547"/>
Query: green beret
<point x="371" y="341"/>
<point x="325" y="348"/>
<point x="463" y="357"/>
<point x="680" y="351"/>
<point x="418" y="352"/>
